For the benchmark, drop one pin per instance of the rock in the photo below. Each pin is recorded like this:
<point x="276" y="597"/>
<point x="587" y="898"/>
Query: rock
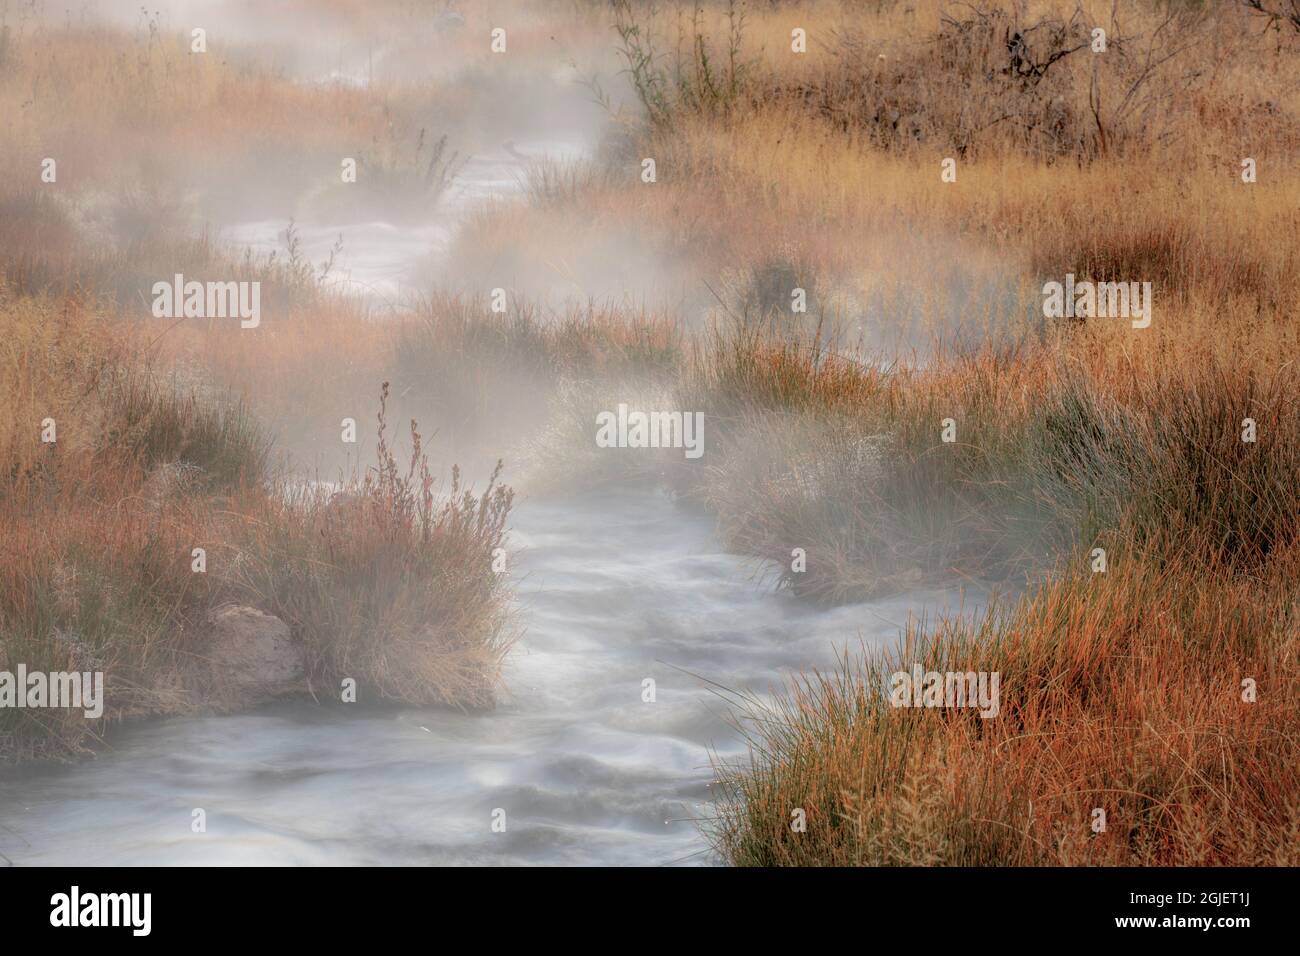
<point x="252" y="653"/>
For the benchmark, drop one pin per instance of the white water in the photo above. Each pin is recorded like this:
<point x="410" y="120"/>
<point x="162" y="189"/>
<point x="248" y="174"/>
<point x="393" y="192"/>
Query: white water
<point x="612" y="590"/>
<point x="386" y="260"/>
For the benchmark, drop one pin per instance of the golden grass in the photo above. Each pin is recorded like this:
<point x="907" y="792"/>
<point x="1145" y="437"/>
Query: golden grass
<point x="1121" y="691"/>
<point x="384" y="579"/>
<point x="388" y="581"/>
<point x="932" y="77"/>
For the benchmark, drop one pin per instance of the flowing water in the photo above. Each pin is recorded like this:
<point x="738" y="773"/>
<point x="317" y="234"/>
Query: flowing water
<point x="612" y="590"/>
<point x="382" y="260"/>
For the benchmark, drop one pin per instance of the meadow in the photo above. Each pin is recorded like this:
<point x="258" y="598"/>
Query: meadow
<point x="1169" y="157"/>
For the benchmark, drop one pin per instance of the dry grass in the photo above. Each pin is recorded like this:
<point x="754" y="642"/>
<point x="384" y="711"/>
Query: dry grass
<point x="387" y="580"/>
<point x="1120" y="691"/>
<point x="1057" y="441"/>
<point x="775" y="170"/>
<point x="931" y="77"/>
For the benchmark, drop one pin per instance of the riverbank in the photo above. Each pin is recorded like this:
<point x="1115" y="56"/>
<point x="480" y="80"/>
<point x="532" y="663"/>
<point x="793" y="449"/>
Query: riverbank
<point x="138" y="512"/>
<point x="159" y="473"/>
<point x="590" y="766"/>
<point x="1118" y="468"/>
<point x="838" y="259"/>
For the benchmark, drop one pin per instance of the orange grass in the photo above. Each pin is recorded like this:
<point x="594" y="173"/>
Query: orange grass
<point x="1120" y="691"/>
<point x="386" y="581"/>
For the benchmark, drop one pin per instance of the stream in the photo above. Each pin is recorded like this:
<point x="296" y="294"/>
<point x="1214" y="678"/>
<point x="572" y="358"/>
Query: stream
<point x="609" y="590"/>
<point x="585" y="770"/>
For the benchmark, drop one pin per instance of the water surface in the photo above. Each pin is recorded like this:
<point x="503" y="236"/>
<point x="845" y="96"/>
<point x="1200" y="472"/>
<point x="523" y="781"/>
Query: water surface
<point x="612" y="590"/>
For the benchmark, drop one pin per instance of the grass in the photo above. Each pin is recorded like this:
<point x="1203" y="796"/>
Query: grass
<point x="385" y="580"/>
<point x="387" y="583"/>
<point x="984" y="79"/>
<point x="1121" y="690"/>
<point x="1052" y="447"/>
